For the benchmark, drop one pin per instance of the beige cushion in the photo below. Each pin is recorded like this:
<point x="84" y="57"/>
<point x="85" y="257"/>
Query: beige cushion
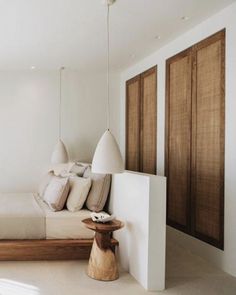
<point x="56" y="193"/>
<point x="62" y="169"/>
<point x="44" y="183"/>
<point x="69" y="169"/>
<point x="98" y="194"/>
<point x="83" y="164"/>
<point x="78" y="169"/>
<point x="79" y="188"/>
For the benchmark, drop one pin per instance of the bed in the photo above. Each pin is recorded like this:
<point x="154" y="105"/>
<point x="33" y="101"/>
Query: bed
<point x="21" y="217"/>
<point x="30" y="230"/>
<point x="64" y="224"/>
<point x="25" y="216"/>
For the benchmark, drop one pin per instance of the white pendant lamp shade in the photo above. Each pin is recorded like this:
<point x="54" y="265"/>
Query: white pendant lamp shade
<point x="107" y="158"/>
<point x="59" y="154"/>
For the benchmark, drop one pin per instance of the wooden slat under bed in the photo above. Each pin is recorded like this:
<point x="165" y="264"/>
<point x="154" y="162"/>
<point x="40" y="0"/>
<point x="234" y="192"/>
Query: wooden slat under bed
<point x="22" y="250"/>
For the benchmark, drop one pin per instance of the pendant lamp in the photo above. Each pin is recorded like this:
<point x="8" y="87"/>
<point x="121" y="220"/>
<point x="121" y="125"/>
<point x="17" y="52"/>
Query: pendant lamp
<point x="60" y="154"/>
<point x="107" y="158"/>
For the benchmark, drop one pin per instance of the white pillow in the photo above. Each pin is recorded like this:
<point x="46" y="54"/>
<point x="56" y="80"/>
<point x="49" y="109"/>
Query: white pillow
<point x="44" y="183"/>
<point x="56" y="193"/>
<point x="78" y="169"/>
<point x="69" y="169"/>
<point x="79" y="188"/>
<point x="98" y="194"/>
<point x="61" y="169"/>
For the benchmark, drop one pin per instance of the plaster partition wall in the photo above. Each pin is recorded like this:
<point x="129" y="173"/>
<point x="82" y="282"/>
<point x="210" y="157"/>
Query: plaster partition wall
<point x="139" y="200"/>
<point x="225" y="19"/>
<point x="29" y="107"/>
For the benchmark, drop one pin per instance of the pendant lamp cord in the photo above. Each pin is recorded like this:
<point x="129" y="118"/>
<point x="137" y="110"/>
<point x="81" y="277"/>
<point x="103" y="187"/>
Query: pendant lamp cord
<point x="108" y="67"/>
<point x="60" y="95"/>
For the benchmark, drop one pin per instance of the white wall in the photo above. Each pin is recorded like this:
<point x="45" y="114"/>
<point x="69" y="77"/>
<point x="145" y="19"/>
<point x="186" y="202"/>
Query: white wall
<point x="139" y="200"/>
<point x="225" y="19"/>
<point x="84" y="111"/>
<point x="29" y="121"/>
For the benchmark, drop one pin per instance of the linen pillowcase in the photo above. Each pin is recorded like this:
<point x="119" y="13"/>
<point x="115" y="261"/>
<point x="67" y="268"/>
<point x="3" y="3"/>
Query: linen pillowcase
<point x="62" y="170"/>
<point x="56" y="193"/>
<point x="69" y="169"/>
<point x="79" y="188"/>
<point x="98" y="194"/>
<point x="78" y="169"/>
<point x="44" y="183"/>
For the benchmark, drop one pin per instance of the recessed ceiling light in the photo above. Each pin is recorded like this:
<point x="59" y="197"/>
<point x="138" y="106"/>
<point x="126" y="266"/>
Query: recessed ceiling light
<point x="32" y="67"/>
<point x="184" y="18"/>
<point x="157" y="37"/>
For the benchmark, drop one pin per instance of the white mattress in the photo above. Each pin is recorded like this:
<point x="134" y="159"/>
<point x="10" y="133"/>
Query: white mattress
<point x="21" y="217"/>
<point x="65" y="224"/>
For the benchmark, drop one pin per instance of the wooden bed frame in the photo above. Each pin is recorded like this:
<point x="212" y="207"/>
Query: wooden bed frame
<point x="23" y="250"/>
<point x="58" y="249"/>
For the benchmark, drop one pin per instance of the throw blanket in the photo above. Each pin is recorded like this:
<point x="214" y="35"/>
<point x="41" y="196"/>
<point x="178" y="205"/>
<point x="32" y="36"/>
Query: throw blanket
<point x="21" y="217"/>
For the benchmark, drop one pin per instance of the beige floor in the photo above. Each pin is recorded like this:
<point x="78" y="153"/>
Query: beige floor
<point x="186" y="274"/>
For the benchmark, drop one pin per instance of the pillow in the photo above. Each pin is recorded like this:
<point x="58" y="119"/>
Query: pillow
<point x="69" y="169"/>
<point x="44" y="183"/>
<point x="62" y="169"/>
<point x="98" y="194"/>
<point x="79" y="188"/>
<point x="78" y="169"/>
<point x="56" y="193"/>
<point x="83" y="164"/>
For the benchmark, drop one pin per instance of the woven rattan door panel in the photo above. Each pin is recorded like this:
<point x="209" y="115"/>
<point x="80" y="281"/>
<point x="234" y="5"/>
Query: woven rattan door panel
<point x="148" y="121"/>
<point x="133" y="124"/>
<point x="194" y="159"/>
<point x="141" y="121"/>
<point x="178" y="139"/>
<point x="208" y="151"/>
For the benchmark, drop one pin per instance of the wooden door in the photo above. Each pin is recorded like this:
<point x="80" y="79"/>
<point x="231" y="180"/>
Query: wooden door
<point x="141" y="122"/>
<point x="178" y="139"/>
<point x="208" y="138"/>
<point x="133" y="124"/>
<point x="148" y="140"/>
<point x="195" y="140"/>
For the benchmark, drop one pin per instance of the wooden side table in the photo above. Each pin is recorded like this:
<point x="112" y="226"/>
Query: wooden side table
<point x="102" y="262"/>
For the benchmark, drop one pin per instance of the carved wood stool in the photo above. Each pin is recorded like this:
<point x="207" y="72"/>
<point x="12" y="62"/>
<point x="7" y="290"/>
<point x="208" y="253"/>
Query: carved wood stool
<point x="102" y="262"/>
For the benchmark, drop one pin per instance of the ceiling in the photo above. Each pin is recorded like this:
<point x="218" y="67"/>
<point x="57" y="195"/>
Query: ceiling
<point x="50" y="33"/>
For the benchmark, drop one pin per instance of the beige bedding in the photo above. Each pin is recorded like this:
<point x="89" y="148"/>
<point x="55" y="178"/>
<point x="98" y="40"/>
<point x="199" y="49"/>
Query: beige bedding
<point x="26" y="216"/>
<point x="21" y="217"/>
<point x="65" y="224"/>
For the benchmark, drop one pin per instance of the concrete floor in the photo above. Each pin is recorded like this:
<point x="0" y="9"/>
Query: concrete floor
<point x="186" y="274"/>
